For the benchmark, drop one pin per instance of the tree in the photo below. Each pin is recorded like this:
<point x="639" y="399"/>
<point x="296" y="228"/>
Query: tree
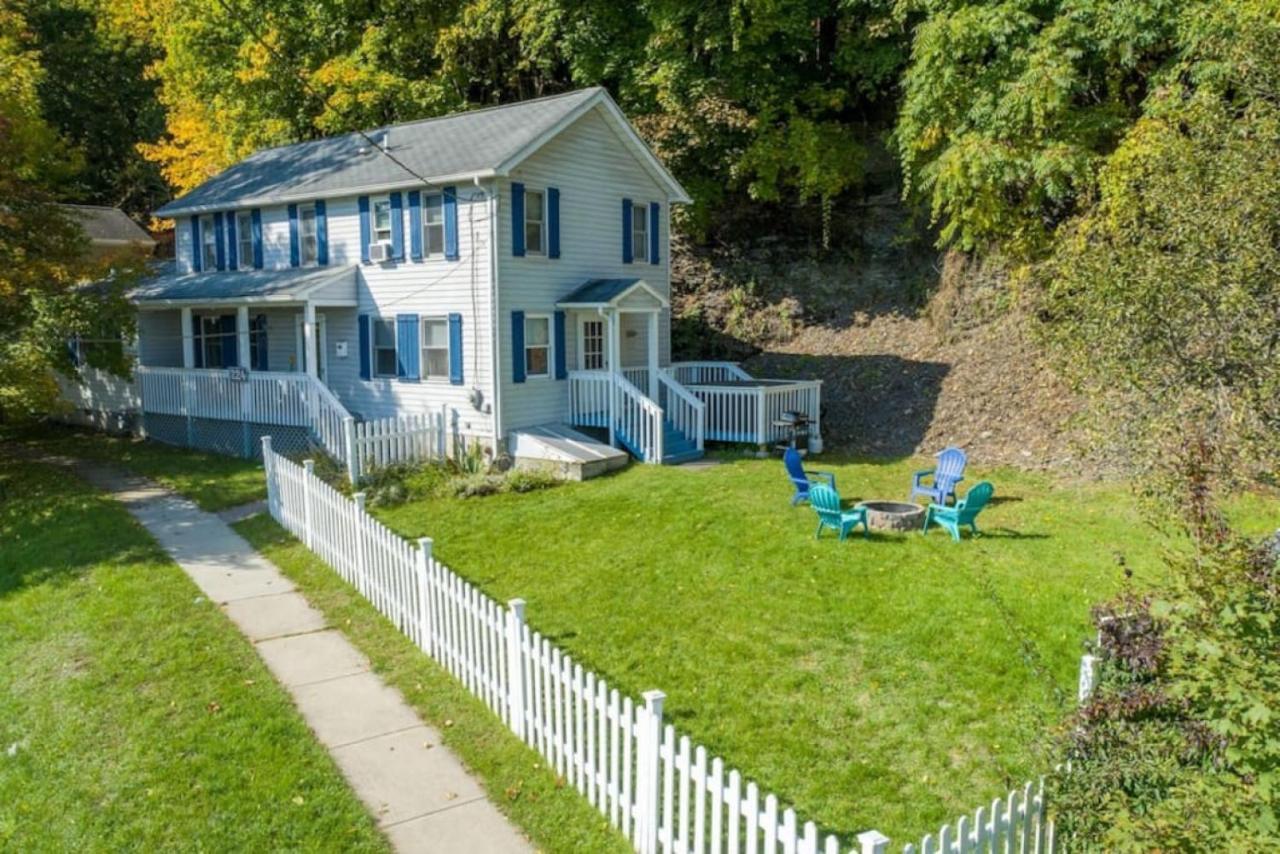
<point x="42" y="257"/>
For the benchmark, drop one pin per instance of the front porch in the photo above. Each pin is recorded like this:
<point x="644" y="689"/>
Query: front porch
<point x="666" y="413"/>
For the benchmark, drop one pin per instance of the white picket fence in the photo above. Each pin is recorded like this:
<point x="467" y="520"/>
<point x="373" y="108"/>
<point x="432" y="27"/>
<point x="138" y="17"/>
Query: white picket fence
<point x="399" y="439"/>
<point x="663" y="792"/>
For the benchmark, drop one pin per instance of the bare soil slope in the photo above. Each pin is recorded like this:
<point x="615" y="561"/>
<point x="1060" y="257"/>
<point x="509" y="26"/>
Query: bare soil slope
<point x="916" y="351"/>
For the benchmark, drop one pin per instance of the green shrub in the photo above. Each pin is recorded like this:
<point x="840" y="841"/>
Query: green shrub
<point x="530" y="480"/>
<point x="473" y="485"/>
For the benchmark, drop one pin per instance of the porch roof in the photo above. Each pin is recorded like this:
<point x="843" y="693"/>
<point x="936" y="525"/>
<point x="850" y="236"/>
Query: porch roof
<point x="607" y="293"/>
<point x="330" y="286"/>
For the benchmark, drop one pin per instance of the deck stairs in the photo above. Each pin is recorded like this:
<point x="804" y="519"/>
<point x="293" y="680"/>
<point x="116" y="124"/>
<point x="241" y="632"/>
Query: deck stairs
<point x="677" y="448"/>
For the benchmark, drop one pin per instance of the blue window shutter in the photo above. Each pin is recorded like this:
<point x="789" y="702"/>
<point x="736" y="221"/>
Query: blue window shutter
<point x="415" y="225"/>
<point x="397" y="227"/>
<point x="322" y="234"/>
<point x="455" y="348"/>
<point x="257" y="239"/>
<point x="407" y="347"/>
<point x="517" y="223"/>
<point x="196" y="342"/>
<point x="451" y="224"/>
<point x="220" y="252"/>
<point x="626" y="231"/>
<point x="366" y="232"/>
<point x="293" y="236"/>
<point x="655" y="214"/>
<point x="553" y="222"/>
<point x="195" y="244"/>
<point x="561" y="371"/>
<point x="362" y="322"/>
<point x="517" y="346"/>
<point x="233" y="251"/>
<point x="230" y="341"/>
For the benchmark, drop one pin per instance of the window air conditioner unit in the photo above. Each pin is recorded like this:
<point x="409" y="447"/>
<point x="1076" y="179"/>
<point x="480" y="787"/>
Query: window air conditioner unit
<point x="379" y="252"/>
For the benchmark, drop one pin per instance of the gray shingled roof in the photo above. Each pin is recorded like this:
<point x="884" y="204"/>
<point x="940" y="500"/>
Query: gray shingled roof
<point x="260" y="285"/>
<point x="108" y="225"/>
<point x="448" y="147"/>
<point x="598" y="291"/>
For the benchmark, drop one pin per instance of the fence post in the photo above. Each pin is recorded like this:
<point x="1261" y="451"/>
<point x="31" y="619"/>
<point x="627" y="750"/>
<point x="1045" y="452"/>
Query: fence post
<point x="648" y="747"/>
<point x="873" y="842"/>
<point x="1088" y="677"/>
<point x="349" y="439"/>
<point x="269" y="471"/>
<point x="761" y="424"/>
<point x="424" y="622"/>
<point x="308" y="476"/>
<point x="361" y="559"/>
<point x="515" y="668"/>
<point x="442" y="439"/>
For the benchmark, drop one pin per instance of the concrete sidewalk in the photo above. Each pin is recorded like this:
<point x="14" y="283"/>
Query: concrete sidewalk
<point x="422" y="797"/>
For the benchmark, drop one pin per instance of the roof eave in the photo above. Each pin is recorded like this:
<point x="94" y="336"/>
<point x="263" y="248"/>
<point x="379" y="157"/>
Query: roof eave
<point x="174" y="209"/>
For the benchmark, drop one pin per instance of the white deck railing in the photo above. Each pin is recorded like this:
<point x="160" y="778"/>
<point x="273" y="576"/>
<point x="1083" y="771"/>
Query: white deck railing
<point x="638" y="418"/>
<point x="745" y="412"/>
<point x="685" y="412"/>
<point x="693" y="373"/>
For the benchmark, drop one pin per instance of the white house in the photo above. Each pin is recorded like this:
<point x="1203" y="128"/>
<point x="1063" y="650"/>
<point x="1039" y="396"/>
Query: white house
<point x="507" y="267"/>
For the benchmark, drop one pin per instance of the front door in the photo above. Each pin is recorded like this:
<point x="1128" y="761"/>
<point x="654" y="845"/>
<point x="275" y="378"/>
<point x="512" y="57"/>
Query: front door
<point x="591" y="344"/>
<point x="322" y="363"/>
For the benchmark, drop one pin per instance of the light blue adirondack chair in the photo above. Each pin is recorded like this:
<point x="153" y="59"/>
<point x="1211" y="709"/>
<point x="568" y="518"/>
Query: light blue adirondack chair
<point x="964" y="513"/>
<point x="826" y="501"/>
<point x="946" y="474"/>
<point x="802" y="479"/>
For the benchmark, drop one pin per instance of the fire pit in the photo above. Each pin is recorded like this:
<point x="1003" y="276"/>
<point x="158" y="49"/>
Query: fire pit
<point x="893" y="515"/>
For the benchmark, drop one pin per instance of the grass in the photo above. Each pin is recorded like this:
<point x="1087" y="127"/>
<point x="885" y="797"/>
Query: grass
<point x="213" y="481"/>
<point x="133" y="714"/>
<point x="554" y="816"/>
<point x="892" y="683"/>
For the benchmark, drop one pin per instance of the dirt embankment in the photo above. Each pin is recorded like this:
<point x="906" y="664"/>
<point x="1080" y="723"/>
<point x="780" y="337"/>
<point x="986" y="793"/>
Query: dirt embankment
<point x="916" y="351"/>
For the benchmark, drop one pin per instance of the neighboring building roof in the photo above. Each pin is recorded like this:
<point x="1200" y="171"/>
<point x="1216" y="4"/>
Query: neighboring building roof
<point x="479" y="143"/>
<point x="254" y="286"/>
<point x="604" y="293"/>
<point x="109" y="226"/>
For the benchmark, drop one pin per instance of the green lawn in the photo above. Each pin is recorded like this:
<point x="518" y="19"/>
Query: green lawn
<point x="133" y="716"/>
<point x="554" y="816"/>
<point x="892" y="683"/>
<point x="213" y="481"/>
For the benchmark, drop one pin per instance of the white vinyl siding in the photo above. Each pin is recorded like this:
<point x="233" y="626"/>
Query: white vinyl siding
<point x="593" y="170"/>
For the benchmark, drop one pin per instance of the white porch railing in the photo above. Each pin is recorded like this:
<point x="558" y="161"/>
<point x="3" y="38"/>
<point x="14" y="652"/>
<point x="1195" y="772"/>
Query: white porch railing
<point x="685" y="412"/>
<point x="740" y="408"/>
<point x="589" y="398"/>
<point x="638" y="419"/>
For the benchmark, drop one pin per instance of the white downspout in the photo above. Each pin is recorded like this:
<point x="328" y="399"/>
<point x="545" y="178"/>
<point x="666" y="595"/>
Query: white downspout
<point x="494" y="329"/>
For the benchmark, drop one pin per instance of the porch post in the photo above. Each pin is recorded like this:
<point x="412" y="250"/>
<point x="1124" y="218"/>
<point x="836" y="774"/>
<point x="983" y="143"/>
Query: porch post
<point x="614" y="369"/>
<point x="242" y="336"/>
<point x="309" y="340"/>
<point x="188" y="343"/>
<point x="653" y="354"/>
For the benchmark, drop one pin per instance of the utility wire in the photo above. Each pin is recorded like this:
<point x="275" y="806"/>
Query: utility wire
<point x="241" y="17"/>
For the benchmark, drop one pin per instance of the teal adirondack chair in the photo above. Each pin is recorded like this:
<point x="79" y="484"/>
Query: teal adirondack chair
<point x="964" y="513"/>
<point x="826" y="501"/>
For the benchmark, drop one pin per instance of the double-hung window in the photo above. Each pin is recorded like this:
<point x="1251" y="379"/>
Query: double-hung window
<point x="309" y="242"/>
<point x="435" y="348"/>
<point x="384" y="348"/>
<point x="212" y="339"/>
<point x="639" y="233"/>
<point x="382" y="220"/>
<point x="208" y="244"/>
<point x="534" y="220"/>
<point x="537" y="346"/>
<point x="244" y="240"/>
<point x="433" y="224"/>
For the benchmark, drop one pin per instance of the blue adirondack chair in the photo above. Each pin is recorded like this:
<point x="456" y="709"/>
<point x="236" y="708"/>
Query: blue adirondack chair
<point x="802" y="479"/>
<point x="945" y="475"/>
<point x="964" y="513"/>
<point x="826" y="501"/>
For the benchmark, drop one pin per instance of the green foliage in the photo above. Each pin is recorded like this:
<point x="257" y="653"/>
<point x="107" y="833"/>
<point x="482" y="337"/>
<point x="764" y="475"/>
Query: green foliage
<point x="1162" y="300"/>
<point x="1177" y="748"/>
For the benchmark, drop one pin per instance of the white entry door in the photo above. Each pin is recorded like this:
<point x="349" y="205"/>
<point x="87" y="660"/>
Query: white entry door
<point x="301" y="349"/>
<point x="592" y="354"/>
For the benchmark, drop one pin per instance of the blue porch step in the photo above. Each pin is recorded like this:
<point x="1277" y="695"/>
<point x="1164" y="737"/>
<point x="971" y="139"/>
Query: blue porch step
<point x="677" y="448"/>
